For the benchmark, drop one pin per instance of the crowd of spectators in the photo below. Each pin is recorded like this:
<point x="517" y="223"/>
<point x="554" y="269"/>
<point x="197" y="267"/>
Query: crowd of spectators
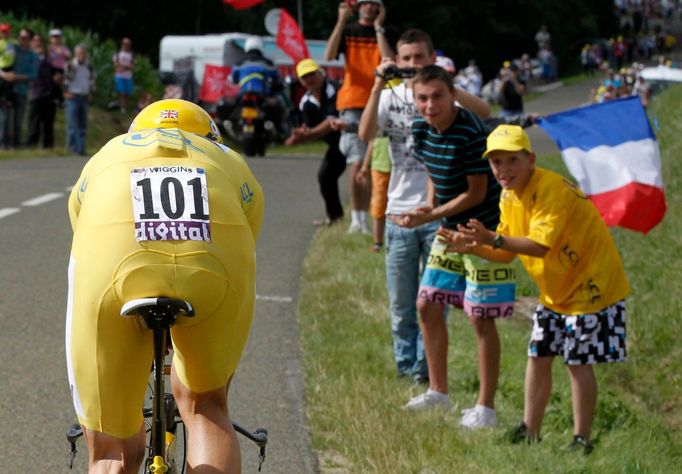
<point x="418" y="142"/>
<point x="37" y="79"/>
<point x="627" y="81"/>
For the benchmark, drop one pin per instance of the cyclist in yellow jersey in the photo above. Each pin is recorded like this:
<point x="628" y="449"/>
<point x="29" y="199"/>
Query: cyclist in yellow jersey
<point x="163" y="210"/>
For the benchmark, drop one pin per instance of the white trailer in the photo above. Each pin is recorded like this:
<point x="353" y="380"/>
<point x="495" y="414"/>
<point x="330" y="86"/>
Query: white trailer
<point x="182" y="52"/>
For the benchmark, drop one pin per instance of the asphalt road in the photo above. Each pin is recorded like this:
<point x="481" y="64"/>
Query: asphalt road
<point x="35" y="406"/>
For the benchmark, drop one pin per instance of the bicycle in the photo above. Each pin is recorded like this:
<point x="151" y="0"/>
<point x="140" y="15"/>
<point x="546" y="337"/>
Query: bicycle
<point x="159" y="314"/>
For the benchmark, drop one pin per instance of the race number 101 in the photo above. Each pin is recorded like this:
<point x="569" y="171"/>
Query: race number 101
<point x="170" y="203"/>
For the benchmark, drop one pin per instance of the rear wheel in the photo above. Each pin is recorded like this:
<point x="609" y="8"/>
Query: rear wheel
<point x="249" y="146"/>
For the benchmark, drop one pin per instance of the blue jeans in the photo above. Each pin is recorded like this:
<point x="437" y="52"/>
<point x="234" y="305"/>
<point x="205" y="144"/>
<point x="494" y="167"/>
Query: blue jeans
<point x="18" y="109"/>
<point x="406" y="253"/>
<point x="76" y="123"/>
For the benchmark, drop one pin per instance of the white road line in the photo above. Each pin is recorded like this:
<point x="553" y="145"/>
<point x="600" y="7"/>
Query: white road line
<point x="279" y="299"/>
<point x="8" y="211"/>
<point x="37" y="201"/>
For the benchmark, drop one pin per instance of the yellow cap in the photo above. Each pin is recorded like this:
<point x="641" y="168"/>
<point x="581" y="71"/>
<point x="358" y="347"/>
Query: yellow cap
<point x="507" y="138"/>
<point x="506" y="64"/>
<point x="306" y="66"/>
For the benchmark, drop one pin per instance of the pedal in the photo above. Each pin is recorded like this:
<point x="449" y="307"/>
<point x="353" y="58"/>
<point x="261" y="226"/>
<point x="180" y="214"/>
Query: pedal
<point x="261" y="458"/>
<point x="74" y="432"/>
<point x="262" y="435"/>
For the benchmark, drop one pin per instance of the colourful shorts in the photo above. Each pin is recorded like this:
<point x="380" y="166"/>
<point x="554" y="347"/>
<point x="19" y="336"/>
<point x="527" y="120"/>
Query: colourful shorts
<point x="109" y="356"/>
<point x="377" y="207"/>
<point x="581" y="339"/>
<point x="482" y="288"/>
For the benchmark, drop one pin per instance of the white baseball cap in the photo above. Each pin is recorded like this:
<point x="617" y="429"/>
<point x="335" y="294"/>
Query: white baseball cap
<point x="55" y="32"/>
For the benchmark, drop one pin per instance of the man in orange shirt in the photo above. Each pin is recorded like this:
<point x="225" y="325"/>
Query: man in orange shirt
<point x="363" y="44"/>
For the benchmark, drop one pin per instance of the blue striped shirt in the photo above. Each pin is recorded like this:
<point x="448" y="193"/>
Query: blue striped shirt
<point x="453" y="155"/>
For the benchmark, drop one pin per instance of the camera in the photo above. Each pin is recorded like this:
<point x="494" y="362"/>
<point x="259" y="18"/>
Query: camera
<point x="394" y="72"/>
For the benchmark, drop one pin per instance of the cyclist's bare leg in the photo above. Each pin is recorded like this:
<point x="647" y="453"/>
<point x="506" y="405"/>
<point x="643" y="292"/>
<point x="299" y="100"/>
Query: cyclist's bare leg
<point x="213" y="446"/>
<point x="108" y="454"/>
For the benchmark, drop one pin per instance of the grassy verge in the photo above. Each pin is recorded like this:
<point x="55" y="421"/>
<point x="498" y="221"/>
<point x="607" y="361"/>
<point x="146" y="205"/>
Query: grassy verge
<point x="102" y="127"/>
<point x="354" y="397"/>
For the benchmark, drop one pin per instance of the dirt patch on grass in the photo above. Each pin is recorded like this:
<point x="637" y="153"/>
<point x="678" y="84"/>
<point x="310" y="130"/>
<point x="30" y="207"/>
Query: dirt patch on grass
<point x="332" y="462"/>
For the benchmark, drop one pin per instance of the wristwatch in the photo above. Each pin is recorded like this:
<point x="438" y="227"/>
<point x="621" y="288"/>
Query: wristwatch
<point x="381" y="30"/>
<point x="498" y="241"/>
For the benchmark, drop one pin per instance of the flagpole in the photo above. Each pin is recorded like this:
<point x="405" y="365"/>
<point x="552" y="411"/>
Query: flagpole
<point x="300" y="14"/>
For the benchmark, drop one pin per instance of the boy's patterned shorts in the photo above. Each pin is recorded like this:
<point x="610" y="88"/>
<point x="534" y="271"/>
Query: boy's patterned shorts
<point x="483" y="289"/>
<point x="580" y="339"/>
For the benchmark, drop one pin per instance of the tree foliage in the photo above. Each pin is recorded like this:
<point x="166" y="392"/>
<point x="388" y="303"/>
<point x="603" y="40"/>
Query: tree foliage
<point x="489" y="31"/>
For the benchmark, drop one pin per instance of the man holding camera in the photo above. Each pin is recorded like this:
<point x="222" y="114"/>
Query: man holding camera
<point x="511" y="90"/>
<point x="363" y="43"/>
<point x="390" y="112"/>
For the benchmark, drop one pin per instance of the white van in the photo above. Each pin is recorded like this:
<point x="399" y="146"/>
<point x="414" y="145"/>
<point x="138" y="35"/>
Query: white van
<point x="179" y="53"/>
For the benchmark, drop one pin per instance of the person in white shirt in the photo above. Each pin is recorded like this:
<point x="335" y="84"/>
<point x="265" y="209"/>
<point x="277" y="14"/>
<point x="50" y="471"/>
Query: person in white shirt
<point x="79" y="85"/>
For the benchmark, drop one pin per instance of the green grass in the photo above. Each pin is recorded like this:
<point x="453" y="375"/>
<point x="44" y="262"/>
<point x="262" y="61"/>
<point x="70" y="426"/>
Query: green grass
<point x="311" y="148"/>
<point x="354" y="397"/>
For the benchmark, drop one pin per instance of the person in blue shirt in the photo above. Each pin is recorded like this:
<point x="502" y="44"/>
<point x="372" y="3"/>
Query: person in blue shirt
<point x="25" y="70"/>
<point x="258" y="75"/>
<point x="255" y="73"/>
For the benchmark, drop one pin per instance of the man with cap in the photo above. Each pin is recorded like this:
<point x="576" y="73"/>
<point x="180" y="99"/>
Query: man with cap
<point x="363" y="44"/>
<point x="566" y="248"/>
<point x="318" y="106"/>
<point x="25" y="70"/>
<point x="7" y="48"/>
<point x="7" y="58"/>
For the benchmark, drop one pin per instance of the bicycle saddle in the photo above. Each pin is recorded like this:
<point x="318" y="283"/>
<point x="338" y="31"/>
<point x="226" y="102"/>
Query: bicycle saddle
<point x="158" y="309"/>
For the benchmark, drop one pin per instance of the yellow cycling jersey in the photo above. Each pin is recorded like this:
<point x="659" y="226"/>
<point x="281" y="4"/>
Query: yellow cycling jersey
<point x="582" y="272"/>
<point x="158" y="213"/>
<point x="170" y="184"/>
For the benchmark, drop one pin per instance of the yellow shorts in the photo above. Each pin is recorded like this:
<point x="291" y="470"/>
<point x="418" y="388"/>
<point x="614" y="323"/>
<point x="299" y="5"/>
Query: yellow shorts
<point x="109" y="357"/>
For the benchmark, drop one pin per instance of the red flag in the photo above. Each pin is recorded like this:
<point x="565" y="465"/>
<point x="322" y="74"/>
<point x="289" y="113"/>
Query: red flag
<point x="215" y="80"/>
<point x="290" y="39"/>
<point x="242" y="4"/>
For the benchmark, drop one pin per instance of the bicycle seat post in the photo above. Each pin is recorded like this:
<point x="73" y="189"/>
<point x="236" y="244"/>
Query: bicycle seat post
<point x="158" y="314"/>
<point x="159" y="418"/>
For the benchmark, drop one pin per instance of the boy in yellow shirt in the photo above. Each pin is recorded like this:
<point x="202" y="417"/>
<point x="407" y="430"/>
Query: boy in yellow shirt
<point x="566" y="248"/>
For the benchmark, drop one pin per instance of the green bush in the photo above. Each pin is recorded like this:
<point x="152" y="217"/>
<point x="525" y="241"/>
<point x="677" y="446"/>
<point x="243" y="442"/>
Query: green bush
<point x="100" y="53"/>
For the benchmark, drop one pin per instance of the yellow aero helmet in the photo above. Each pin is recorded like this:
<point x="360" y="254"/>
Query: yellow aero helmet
<point x="177" y="113"/>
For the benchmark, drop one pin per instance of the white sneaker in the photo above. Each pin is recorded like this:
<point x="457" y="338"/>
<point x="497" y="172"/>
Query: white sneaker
<point x="427" y="401"/>
<point x="355" y="228"/>
<point x="478" y="417"/>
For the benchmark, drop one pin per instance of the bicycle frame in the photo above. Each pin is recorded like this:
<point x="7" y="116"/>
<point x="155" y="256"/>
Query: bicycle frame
<point x="159" y="422"/>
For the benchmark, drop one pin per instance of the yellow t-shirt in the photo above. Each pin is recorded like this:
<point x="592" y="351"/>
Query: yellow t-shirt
<point x="582" y="272"/>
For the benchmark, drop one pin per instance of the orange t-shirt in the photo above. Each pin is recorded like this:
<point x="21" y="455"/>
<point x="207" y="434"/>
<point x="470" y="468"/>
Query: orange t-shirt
<point x="359" y="45"/>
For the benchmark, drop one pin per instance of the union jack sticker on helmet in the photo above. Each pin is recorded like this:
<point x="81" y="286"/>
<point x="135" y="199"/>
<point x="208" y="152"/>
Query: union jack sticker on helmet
<point x="169" y="114"/>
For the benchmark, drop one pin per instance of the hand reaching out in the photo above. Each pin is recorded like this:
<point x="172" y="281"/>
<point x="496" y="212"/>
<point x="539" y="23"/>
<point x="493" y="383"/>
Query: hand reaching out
<point x="337" y="124"/>
<point x="475" y="233"/>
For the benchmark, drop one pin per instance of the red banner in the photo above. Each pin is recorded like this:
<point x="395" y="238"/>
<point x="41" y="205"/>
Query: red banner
<point x="290" y="38"/>
<point x="242" y="4"/>
<point x="214" y="84"/>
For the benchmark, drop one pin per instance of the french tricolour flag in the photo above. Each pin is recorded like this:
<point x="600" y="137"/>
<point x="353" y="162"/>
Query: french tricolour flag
<point x="611" y="150"/>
